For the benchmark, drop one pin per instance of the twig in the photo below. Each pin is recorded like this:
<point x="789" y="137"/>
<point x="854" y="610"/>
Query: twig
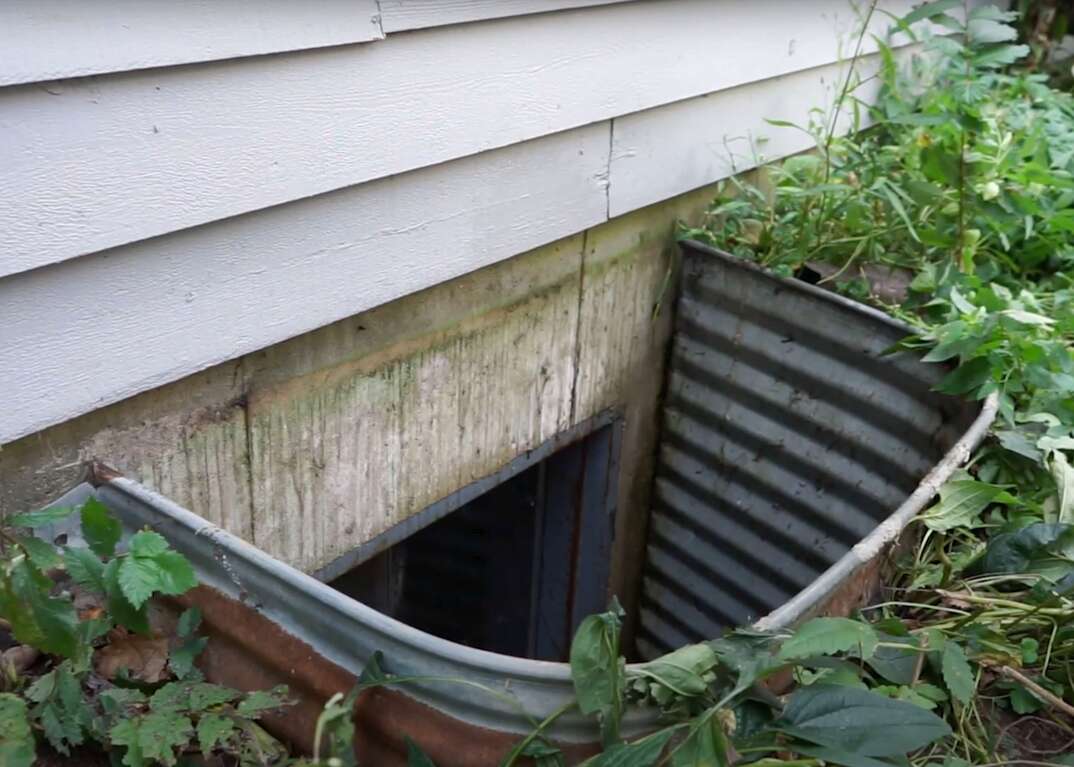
<point x="1048" y="697"/>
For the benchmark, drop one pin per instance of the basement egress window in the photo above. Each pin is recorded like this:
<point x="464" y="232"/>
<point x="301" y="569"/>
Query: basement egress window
<point x="510" y="564"/>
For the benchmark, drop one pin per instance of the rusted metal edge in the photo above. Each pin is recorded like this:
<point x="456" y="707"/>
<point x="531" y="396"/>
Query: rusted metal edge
<point x="484" y="689"/>
<point x="867" y="555"/>
<point x="502" y="694"/>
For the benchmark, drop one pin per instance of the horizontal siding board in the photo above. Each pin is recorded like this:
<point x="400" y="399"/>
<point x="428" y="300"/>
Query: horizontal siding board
<point x="82" y="334"/>
<point x="99" y="162"/>
<point x="402" y="15"/>
<point x="54" y="39"/>
<point x="663" y="152"/>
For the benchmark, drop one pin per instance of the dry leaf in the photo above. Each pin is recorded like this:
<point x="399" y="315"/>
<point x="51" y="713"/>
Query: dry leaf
<point x="20" y="657"/>
<point x="145" y="658"/>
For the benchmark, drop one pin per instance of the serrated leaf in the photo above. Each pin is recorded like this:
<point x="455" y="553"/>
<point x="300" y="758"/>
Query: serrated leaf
<point x="85" y="568"/>
<point x="961" y="501"/>
<point x="117" y="700"/>
<point x="42" y="555"/>
<point x="262" y="700"/>
<point x="31" y="519"/>
<point x="100" y="529"/>
<point x="188" y="622"/>
<point x="161" y="734"/>
<point x="859" y="721"/>
<point x="138" y="579"/>
<point x="125" y="733"/>
<point x="828" y="636"/>
<point x="17" y="748"/>
<point x="147" y="543"/>
<point x="181" y="661"/>
<point x="175" y="574"/>
<point x="204" y="695"/>
<point x="213" y="730"/>
<point x="134" y="618"/>
<point x="957" y="673"/>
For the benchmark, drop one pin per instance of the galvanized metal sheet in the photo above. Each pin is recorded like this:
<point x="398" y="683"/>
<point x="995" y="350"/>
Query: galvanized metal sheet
<point x="794" y="452"/>
<point x="789" y="434"/>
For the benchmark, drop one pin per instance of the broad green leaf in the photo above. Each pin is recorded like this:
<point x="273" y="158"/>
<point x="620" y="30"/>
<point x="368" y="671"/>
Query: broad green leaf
<point x="49" y="516"/>
<point x="37" y="619"/>
<point x="415" y="757"/>
<point x="828" y="636"/>
<point x="957" y="673"/>
<point x="961" y="501"/>
<point x="100" y="529"/>
<point x="837" y="756"/>
<point x="188" y="622"/>
<point x="85" y="568"/>
<point x="117" y="701"/>
<point x="181" y="659"/>
<point x="175" y="574"/>
<point x="967" y="377"/>
<point x="17" y="747"/>
<point x="138" y="578"/>
<point x="154" y="738"/>
<point x="147" y="543"/>
<point x="263" y="700"/>
<point x="43" y="555"/>
<point x="1044" y="548"/>
<point x="1028" y="318"/>
<point x="929" y="10"/>
<point x="705" y="744"/>
<point x="895" y="664"/>
<point x="204" y="695"/>
<point x="596" y="670"/>
<point x="859" y="721"/>
<point x="213" y="730"/>
<point x="682" y="672"/>
<point x="984" y="31"/>
<point x="644" y="752"/>
<point x="126" y="614"/>
<point x="750" y="659"/>
<point x="1017" y="442"/>
<point x="1063" y="474"/>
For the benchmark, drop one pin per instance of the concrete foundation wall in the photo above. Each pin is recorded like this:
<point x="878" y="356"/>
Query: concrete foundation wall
<point x="315" y="445"/>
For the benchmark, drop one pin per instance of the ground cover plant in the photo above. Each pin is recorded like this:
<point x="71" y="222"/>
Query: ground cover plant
<point x="91" y="673"/>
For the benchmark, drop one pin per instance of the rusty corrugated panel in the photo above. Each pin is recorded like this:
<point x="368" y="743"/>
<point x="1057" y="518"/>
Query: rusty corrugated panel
<point x="794" y="452"/>
<point x="789" y="434"/>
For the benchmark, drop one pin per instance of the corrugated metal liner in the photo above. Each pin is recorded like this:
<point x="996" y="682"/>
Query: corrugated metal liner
<point x="789" y="434"/>
<point x="794" y="451"/>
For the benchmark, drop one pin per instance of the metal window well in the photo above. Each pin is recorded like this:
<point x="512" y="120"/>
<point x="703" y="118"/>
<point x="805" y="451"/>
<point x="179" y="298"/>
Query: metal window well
<point x="793" y="452"/>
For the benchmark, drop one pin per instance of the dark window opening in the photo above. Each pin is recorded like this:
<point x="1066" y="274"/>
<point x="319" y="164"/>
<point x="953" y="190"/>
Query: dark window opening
<point x="514" y="569"/>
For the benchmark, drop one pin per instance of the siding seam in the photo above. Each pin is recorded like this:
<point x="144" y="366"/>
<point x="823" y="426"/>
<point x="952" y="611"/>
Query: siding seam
<point x="378" y="20"/>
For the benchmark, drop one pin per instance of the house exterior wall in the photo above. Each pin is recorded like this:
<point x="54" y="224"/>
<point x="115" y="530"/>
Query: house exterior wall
<point x="170" y="206"/>
<point x="313" y="446"/>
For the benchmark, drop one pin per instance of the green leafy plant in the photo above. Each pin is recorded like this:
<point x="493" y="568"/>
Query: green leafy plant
<point x="96" y="671"/>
